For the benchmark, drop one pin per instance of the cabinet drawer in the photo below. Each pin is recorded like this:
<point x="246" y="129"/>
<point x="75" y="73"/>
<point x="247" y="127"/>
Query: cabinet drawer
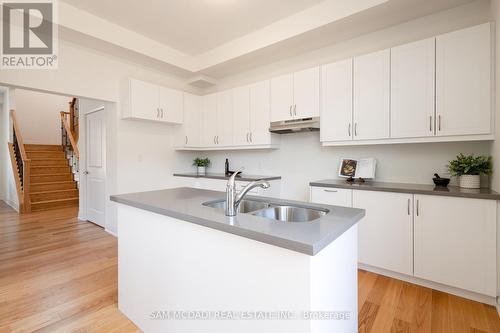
<point x="331" y="196"/>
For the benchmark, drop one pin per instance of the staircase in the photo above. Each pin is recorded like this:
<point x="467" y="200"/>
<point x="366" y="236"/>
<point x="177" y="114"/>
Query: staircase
<point x="52" y="183"/>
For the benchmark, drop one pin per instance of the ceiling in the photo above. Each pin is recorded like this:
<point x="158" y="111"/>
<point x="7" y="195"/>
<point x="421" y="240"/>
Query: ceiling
<point x="193" y="26"/>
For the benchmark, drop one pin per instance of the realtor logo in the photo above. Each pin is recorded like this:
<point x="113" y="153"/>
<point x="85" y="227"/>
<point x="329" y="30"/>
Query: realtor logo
<point x="29" y="34"/>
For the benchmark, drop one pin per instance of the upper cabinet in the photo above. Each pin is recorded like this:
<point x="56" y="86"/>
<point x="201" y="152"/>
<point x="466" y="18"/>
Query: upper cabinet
<point x="296" y="95"/>
<point x="336" y="101"/>
<point x="189" y="133"/>
<point x="412" y="89"/>
<point x="371" y="96"/>
<point x="463" y="82"/>
<point x="147" y="101"/>
<point x="217" y="118"/>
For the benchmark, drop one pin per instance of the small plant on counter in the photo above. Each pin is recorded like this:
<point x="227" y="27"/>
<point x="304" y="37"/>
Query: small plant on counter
<point x="469" y="168"/>
<point x="201" y="164"/>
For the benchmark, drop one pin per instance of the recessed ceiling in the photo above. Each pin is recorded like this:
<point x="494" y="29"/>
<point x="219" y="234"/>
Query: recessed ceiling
<point x="193" y="26"/>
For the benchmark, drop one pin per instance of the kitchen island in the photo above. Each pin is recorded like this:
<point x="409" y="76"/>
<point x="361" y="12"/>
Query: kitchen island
<point x="186" y="267"/>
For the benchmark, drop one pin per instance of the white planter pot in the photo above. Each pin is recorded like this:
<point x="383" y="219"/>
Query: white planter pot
<point x="202" y="171"/>
<point x="470" y="181"/>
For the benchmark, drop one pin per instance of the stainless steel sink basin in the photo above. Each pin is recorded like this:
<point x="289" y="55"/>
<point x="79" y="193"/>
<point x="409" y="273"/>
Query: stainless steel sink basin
<point x="291" y="213"/>
<point x="246" y="206"/>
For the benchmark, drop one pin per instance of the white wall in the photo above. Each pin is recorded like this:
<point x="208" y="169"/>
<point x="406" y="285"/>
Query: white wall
<point x="38" y="116"/>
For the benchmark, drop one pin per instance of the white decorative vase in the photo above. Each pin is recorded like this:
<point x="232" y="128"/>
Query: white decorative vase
<point x="202" y="171"/>
<point x="470" y="181"/>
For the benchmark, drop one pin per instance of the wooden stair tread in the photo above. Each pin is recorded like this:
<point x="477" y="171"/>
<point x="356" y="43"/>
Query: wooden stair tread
<point x="58" y="182"/>
<point x="55" y="201"/>
<point x="51" y="174"/>
<point x="54" y="191"/>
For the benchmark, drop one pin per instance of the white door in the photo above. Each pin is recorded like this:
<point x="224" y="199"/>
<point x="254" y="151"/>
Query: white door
<point x="336" y="106"/>
<point x="463" y="81"/>
<point x="260" y="113"/>
<point x="241" y="116"/>
<point x="171" y="105"/>
<point x="282" y="97"/>
<point x="412" y="89"/>
<point x="224" y="118"/>
<point x="306" y="93"/>
<point x="144" y="100"/>
<point x="191" y="125"/>
<point x="209" y="120"/>
<point x="385" y="234"/>
<point x="95" y="168"/>
<point x="371" y="96"/>
<point x="455" y="242"/>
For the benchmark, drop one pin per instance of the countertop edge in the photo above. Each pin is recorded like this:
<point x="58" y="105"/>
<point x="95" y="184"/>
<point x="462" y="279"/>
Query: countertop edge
<point x="375" y="188"/>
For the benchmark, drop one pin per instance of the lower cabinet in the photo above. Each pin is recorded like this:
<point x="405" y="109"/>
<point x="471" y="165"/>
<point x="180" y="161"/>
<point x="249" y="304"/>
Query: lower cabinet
<point x="385" y="234"/>
<point x="455" y="242"/>
<point x="331" y="196"/>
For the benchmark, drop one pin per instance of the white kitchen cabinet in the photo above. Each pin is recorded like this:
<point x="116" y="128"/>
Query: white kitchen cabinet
<point x="306" y="93"/>
<point x="385" y="234"/>
<point x="463" y="81"/>
<point x="241" y="116"/>
<point x="455" y="242"/>
<point x="371" y="96"/>
<point x="336" y="101"/>
<point x="209" y="120"/>
<point x="224" y="135"/>
<point x="147" y="101"/>
<point x="171" y="105"/>
<point x="260" y="114"/>
<point x="189" y="133"/>
<point x="282" y="97"/>
<point x="331" y="196"/>
<point x="412" y="89"/>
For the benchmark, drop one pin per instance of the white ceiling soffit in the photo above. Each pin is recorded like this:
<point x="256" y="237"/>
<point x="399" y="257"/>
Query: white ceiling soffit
<point x="316" y="16"/>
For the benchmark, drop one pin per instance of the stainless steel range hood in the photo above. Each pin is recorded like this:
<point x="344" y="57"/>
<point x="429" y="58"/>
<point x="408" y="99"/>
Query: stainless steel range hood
<point x="295" y="125"/>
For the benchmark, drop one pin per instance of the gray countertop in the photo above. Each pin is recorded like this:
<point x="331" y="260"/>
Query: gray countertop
<point x="186" y="204"/>
<point x="241" y="177"/>
<point x="451" y="191"/>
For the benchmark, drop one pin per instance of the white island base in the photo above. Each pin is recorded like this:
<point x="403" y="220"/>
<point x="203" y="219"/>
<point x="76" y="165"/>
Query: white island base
<point x="169" y="267"/>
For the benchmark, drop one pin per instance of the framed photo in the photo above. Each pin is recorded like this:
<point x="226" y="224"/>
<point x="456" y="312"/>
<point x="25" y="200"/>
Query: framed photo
<point x="348" y="168"/>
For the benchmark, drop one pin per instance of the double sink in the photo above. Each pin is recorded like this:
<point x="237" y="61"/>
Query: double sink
<point x="272" y="211"/>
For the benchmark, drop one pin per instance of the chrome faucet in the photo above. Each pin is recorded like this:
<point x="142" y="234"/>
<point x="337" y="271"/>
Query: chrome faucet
<point x="233" y="199"/>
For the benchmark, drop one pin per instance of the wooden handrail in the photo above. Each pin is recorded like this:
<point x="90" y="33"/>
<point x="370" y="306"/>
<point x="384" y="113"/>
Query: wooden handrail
<point x="72" y="139"/>
<point x="18" y="135"/>
<point x="19" y="187"/>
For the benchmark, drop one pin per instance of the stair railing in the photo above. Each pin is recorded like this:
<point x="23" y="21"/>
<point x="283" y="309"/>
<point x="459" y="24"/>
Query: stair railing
<point x="69" y="141"/>
<point x="21" y="166"/>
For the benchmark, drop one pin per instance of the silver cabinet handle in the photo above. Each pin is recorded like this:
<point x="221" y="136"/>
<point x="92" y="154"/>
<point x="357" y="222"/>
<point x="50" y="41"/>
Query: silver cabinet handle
<point x="86" y="172"/>
<point x="430" y="123"/>
<point x="157" y="112"/>
<point x="409" y="206"/>
<point x="251" y="140"/>
<point x="247" y="138"/>
<point x="355" y="129"/>
<point x="418" y="207"/>
<point x="161" y="113"/>
<point x="295" y="109"/>
<point x="331" y="191"/>
<point x="290" y="111"/>
<point x="217" y="139"/>
<point x="439" y="123"/>
<point x="214" y="140"/>
<point x="349" y="130"/>
<point x="186" y="139"/>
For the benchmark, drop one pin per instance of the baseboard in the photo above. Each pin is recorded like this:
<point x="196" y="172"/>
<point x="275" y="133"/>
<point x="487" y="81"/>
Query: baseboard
<point x="13" y="205"/>
<point x="490" y="300"/>
<point x="498" y="308"/>
<point x="111" y="233"/>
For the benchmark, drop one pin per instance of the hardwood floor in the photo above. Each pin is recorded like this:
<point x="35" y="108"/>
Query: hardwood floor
<point x="60" y="275"/>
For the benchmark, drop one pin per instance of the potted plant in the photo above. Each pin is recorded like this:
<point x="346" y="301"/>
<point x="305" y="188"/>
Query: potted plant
<point x="469" y="168"/>
<point x="202" y="164"/>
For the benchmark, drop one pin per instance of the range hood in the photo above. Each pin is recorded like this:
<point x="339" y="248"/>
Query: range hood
<point x="295" y="125"/>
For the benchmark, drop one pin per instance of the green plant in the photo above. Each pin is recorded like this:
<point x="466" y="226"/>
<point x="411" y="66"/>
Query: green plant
<point x="201" y="162"/>
<point x="470" y="165"/>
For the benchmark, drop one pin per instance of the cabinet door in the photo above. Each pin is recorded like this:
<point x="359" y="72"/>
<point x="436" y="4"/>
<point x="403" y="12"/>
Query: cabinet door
<point x="191" y="125"/>
<point x="260" y="113"/>
<point x="385" y="234"/>
<point x="171" y="105"/>
<point x="331" y="196"/>
<point x="371" y="96"/>
<point x="306" y="93"/>
<point x="336" y="106"/>
<point x="224" y="118"/>
<point x="455" y="242"/>
<point x="144" y="100"/>
<point x="209" y="120"/>
<point x="463" y="81"/>
<point x="241" y="116"/>
<point x="282" y="97"/>
<point x="412" y="89"/>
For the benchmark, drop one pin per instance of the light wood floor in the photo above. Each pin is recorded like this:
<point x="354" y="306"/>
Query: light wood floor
<point x="60" y="275"/>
